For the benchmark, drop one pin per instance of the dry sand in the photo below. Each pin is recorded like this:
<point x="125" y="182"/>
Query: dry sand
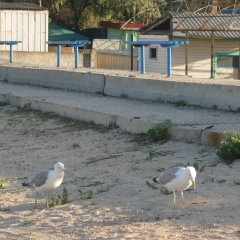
<point x="115" y="165"/>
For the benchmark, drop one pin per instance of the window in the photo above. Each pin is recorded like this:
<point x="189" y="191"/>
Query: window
<point x="153" y="53"/>
<point x="228" y="61"/>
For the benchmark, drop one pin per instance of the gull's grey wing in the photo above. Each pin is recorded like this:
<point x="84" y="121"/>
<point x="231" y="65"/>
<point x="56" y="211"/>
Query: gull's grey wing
<point x="168" y="175"/>
<point x="38" y="180"/>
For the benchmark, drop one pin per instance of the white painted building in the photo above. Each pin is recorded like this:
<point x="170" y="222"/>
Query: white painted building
<point x="24" y="22"/>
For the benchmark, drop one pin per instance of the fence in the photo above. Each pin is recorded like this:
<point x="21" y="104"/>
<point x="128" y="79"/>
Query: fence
<point x="116" y="60"/>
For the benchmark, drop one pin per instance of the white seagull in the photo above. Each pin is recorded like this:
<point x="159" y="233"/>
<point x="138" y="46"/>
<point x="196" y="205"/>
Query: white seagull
<point x="47" y="181"/>
<point x="177" y="179"/>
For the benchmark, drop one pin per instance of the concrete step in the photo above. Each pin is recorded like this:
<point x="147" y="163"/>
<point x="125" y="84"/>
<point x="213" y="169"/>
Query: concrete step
<point x="190" y="123"/>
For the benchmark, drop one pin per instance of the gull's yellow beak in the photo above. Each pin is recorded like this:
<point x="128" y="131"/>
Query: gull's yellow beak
<point x="66" y="171"/>
<point x="194" y="184"/>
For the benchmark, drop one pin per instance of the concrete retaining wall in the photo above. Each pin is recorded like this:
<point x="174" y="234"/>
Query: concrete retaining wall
<point x="215" y="95"/>
<point x="67" y="80"/>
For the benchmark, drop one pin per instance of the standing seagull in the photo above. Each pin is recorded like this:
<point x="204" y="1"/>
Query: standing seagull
<point x="47" y="181"/>
<point x="177" y="179"/>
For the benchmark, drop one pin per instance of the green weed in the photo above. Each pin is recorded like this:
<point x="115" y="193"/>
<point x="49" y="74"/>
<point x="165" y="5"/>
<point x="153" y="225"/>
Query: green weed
<point x="86" y="195"/>
<point x="75" y="145"/>
<point x="151" y="185"/>
<point x="59" y="200"/>
<point x="196" y="166"/>
<point x="4" y="103"/>
<point x="3" y="183"/>
<point x="230" y="148"/>
<point x="160" y="131"/>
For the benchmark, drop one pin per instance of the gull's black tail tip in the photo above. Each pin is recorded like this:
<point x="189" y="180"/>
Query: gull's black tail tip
<point x="26" y="184"/>
<point x="155" y="179"/>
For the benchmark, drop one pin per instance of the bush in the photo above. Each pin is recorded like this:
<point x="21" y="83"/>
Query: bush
<point x="159" y="132"/>
<point x="230" y="148"/>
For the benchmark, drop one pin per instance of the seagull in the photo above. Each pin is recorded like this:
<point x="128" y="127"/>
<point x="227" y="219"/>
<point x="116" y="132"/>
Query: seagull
<point x="47" y="181"/>
<point x="177" y="179"/>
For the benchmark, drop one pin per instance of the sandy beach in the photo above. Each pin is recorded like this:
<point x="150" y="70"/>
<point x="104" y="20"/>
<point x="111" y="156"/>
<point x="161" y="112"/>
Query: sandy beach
<point x="117" y="167"/>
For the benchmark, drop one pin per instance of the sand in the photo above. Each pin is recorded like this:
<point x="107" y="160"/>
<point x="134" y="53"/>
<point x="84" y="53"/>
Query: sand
<point x="116" y="166"/>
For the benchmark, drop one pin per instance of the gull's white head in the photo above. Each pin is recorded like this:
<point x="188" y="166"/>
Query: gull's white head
<point x="192" y="175"/>
<point x="60" y="167"/>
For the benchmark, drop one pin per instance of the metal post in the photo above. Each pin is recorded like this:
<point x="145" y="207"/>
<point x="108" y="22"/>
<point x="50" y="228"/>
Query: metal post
<point x="11" y="53"/>
<point x="142" y="59"/>
<point x="186" y="55"/>
<point x="212" y="54"/>
<point x="76" y="56"/>
<point x="59" y="55"/>
<point x="169" y="67"/>
<point x="131" y="52"/>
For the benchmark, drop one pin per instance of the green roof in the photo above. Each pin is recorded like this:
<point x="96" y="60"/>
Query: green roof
<point x="57" y="33"/>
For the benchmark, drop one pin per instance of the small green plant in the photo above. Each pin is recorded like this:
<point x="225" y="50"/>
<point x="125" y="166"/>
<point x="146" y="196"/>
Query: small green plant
<point x="181" y="103"/>
<point x="59" y="200"/>
<point x="237" y="182"/>
<point x="229" y="148"/>
<point x="75" y="145"/>
<point x="4" y="103"/>
<point x="27" y="107"/>
<point x="202" y="168"/>
<point x="124" y="96"/>
<point x="196" y="166"/>
<point x="86" y="195"/>
<point x="150" y="155"/>
<point x="3" y="182"/>
<point x="160" y="131"/>
<point x="151" y="185"/>
<point x="165" y="191"/>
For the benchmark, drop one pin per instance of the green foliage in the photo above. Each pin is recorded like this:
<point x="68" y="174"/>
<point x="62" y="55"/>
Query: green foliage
<point x="27" y="107"/>
<point x="180" y="103"/>
<point x="230" y="148"/>
<point x="152" y="154"/>
<point x="59" y="200"/>
<point x="3" y="182"/>
<point x="86" y="195"/>
<point x="4" y="103"/>
<point x="75" y="145"/>
<point x="165" y="191"/>
<point x="151" y="185"/>
<point x="196" y="166"/>
<point x="160" y="131"/>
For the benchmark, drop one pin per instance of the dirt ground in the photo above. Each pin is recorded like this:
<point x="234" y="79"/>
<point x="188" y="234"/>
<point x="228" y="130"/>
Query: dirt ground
<point x="117" y="167"/>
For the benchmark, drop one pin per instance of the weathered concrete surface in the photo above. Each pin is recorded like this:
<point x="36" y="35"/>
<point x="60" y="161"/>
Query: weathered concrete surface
<point x="137" y="116"/>
<point x="67" y="80"/>
<point x="209" y="95"/>
<point x="205" y="93"/>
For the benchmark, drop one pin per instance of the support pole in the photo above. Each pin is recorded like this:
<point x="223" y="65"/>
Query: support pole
<point x="239" y="60"/>
<point x="59" y="55"/>
<point x="212" y="54"/>
<point x="186" y="55"/>
<point x="169" y="67"/>
<point x="11" y="53"/>
<point x="131" y="52"/>
<point x="76" y="56"/>
<point x="142" y="59"/>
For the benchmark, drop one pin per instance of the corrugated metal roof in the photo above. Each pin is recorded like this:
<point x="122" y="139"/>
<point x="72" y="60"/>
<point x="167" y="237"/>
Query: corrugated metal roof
<point x="21" y="6"/>
<point x="202" y="24"/>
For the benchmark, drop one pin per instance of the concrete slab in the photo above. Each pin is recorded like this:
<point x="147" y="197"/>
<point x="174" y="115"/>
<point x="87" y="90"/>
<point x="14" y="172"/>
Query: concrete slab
<point x="137" y="116"/>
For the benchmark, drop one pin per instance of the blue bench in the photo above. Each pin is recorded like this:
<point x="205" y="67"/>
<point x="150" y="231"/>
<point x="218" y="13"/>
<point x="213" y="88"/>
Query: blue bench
<point x="165" y="44"/>
<point x="75" y="44"/>
<point x="11" y="44"/>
